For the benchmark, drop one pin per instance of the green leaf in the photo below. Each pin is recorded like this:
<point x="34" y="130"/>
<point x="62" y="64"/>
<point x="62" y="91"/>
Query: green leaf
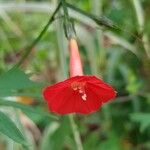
<point x="15" y="80"/>
<point x="8" y="128"/>
<point x="142" y="118"/>
<point x="28" y="110"/>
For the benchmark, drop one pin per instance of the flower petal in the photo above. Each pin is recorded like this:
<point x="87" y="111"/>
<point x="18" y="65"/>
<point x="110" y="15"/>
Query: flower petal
<point x="63" y="99"/>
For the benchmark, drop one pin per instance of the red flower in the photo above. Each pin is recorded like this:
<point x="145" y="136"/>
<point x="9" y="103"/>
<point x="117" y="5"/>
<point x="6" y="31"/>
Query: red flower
<point x="79" y="94"/>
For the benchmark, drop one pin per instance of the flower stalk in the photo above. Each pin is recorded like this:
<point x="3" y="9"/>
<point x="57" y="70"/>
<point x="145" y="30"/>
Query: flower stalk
<point x="76" y="133"/>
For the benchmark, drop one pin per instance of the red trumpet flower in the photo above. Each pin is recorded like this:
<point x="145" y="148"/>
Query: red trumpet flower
<point x="78" y="94"/>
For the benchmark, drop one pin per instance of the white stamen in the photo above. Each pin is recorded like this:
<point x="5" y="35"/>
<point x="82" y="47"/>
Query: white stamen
<point x="80" y="91"/>
<point x="79" y="87"/>
<point x="84" y="97"/>
<point x="75" y="88"/>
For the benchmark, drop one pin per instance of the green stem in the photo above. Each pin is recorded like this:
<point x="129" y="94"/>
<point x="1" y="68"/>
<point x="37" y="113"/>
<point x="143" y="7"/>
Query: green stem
<point x="100" y="20"/>
<point x="76" y="133"/>
<point x="99" y="50"/>
<point x="106" y="22"/>
<point x="66" y="15"/>
<point x="68" y="25"/>
<point x="62" y="47"/>
<point x="140" y="19"/>
<point x="97" y="9"/>
<point x="30" y="47"/>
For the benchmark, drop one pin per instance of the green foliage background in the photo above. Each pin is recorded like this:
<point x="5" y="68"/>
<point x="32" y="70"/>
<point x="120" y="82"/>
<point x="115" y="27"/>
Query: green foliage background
<point x="121" y="57"/>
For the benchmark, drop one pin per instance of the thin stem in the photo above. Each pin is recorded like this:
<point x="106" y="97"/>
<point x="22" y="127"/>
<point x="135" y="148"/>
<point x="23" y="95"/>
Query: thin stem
<point x="76" y="133"/>
<point x="62" y="47"/>
<point x="99" y="20"/>
<point x="101" y="52"/>
<point x="65" y="9"/>
<point x="98" y="51"/>
<point x="139" y="14"/>
<point x="104" y="21"/>
<point x="30" y="47"/>
<point x="140" y="19"/>
<point x="10" y="23"/>
<point x="68" y="25"/>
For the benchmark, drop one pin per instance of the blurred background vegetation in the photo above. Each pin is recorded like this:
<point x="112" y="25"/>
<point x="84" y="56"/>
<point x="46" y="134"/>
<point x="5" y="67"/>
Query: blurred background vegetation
<point x="120" y="56"/>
